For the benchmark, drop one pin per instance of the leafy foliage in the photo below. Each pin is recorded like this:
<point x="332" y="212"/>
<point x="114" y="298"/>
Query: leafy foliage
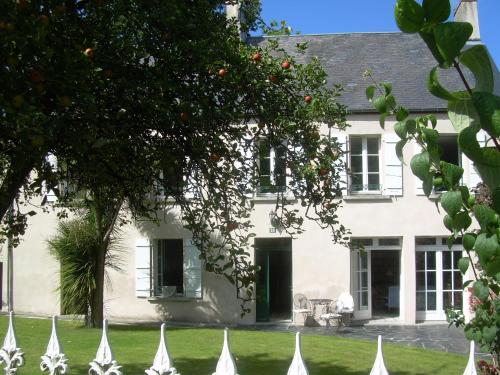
<point x="75" y="246"/>
<point x="135" y="101"/>
<point x="471" y="111"/>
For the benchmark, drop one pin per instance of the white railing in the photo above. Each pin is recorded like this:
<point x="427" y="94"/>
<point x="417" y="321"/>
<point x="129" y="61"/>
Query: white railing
<point x="54" y="360"/>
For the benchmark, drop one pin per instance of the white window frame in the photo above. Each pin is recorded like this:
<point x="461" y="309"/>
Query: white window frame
<point x="156" y="274"/>
<point x="364" y="165"/>
<point x="438" y="249"/>
<point x="272" y="166"/>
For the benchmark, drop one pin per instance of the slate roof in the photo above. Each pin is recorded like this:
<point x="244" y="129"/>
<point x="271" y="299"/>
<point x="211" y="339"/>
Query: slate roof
<point x="401" y="59"/>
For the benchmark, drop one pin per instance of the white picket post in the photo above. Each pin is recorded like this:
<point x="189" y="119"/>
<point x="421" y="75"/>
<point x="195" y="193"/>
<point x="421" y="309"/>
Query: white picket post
<point x="104" y="362"/>
<point x="298" y="367"/>
<point x="471" y="366"/>
<point x="54" y="361"/>
<point x="379" y="365"/>
<point x="10" y="354"/>
<point x="162" y="364"/>
<point x="226" y="364"/>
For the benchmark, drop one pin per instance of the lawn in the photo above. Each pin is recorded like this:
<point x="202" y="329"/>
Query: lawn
<point x="195" y="351"/>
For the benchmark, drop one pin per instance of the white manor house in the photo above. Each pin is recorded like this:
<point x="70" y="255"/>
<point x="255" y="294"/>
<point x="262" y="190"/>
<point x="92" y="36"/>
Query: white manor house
<point x="406" y="273"/>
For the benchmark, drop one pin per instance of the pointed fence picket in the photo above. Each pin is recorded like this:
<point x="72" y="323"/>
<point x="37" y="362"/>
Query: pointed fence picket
<point x="54" y="360"/>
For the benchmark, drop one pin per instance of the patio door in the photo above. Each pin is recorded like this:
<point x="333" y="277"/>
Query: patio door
<point x="361" y="284"/>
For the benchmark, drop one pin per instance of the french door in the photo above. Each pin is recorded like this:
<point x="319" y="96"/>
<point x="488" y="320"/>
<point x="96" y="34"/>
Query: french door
<point x="361" y="284"/>
<point x="439" y="283"/>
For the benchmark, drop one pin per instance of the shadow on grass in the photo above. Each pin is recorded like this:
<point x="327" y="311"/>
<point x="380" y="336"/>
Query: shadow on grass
<point x="263" y="365"/>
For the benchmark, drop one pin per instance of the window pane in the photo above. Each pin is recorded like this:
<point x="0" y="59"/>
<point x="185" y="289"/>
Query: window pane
<point x="356" y="182"/>
<point x="373" y="182"/>
<point x="356" y="145"/>
<point x="264" y="149"/>
<point x="364" y="280"/>
<point x="364" y="299"/>
<point x="356" y="164"/>
<point x="431" y="280"/>
<point x="431" y="260"/>
<point x="265" y="167"/>
<point x="447" y="300"/>
<point x="372" y="145"/>
<point x="421" y="301"/>
<point x="420" y="260"/>
<point x="373" y="164"/>
<point x="364" y="260"/>
<point x="420" y="280"/>
<point x="172" y="267"/>
<point x="457" y="299"/>
<point x="456" y="257"/>
<point x="431" y="300"/>
<point x="446" y="260"/>
<point x="457" y="280"/>
<point x="388" y="241"/>
<point x="447" y="280"/>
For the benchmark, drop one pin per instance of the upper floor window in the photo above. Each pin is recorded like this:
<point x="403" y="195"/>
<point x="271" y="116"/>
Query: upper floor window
<point x="449" y="152"/>
<point x="272" y="167"/>
<point x="364" y="164"/>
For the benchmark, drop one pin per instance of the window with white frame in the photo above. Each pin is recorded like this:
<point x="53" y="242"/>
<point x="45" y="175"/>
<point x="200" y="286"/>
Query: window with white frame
<point x="449" y="152"/>
<point x="177" y="268"/>
<point x="272" y="167"/>
<point x="439" y="281"/>
<point x="364" y="164"/>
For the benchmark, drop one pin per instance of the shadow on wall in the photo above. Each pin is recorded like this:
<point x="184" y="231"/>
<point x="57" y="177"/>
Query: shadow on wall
<point x="218" y="303"/>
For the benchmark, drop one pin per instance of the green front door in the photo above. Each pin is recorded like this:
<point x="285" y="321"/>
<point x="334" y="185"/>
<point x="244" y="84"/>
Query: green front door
<point x="262" y="287"/>
<point x="274" y="280"/>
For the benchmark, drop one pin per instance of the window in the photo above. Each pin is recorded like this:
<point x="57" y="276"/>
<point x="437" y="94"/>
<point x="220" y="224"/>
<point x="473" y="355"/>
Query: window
<point x="364" y="164"/>
<point x="449" y="152"/>
<point x="272" y="168"/>
<point x="170" y="265"/>
<point x="439" y="281"/>
<point x="177" y="268"/>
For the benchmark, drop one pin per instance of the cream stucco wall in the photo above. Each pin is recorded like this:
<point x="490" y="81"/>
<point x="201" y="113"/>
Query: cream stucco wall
<point x="321" y="269"/>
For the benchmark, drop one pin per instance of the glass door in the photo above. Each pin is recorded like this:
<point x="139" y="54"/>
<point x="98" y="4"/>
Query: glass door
<point x="361" y="283"/>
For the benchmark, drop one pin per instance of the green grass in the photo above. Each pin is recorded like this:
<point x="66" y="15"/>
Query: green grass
<point x="195" y="351"/>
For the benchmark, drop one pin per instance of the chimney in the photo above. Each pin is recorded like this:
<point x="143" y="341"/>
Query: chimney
<point x="467" y="12"/>
<point x="233" y="11"/>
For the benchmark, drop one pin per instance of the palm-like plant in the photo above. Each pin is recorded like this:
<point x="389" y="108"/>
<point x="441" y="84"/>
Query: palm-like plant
<point x="76" y="247"/>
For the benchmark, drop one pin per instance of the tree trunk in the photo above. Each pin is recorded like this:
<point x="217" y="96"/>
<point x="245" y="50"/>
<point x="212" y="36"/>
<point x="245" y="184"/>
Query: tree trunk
<point x="18" y="173"/>
<point x="97" y="308"/>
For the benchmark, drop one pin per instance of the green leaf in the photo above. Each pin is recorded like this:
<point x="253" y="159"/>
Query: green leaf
<point x="399" y="149"/>
<point x="490" y="172"/>
<point x="484" y="215"/>
<point x="451" y="201"/>
<point x="488" y="107"/>
<point x="430" y="136"/>
<point x="481" y="290"/>
<point x="468" y="241"/>
<point x="486" y="246"/>
<point x="391" y="101"/>
<point x="401" y="114"/>
<point x="462" y="113"/>
<point x="400" y="129"/>
<point x="411" y="126"/>
<point x="383" y="117"/>
<point x="409" y="16"/>
<point x="451" y="38"/>
<point x="430" y="40"/>
<point x="435" y="87"/>
<point x="451" y="172"/>
<point x="490" y="334"/>
<point x="387" y="88"/>
<point x="420" y="165"/>
<point x="463" y="264"/>
<point x="380" y="104"/>
<point x="448" y="222"/>
<point x="436" y="11"/>
<point x="462" y="221"/>
<point x="495" y="196"/>
<point x="370" y="91"/>
<point x="468" y="143"/>
<point x="478" y="61"/>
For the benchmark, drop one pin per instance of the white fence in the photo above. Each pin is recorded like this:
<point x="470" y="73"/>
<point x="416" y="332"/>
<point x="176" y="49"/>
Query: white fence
<point x="55" y="362"/>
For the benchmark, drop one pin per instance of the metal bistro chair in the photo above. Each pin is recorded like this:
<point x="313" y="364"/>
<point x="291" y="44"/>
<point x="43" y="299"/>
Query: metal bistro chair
<point x="300" y="306"/>
<point x="339" y="311"/>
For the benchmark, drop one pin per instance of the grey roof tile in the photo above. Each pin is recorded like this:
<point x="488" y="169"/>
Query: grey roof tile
<point x="401" y="59"/>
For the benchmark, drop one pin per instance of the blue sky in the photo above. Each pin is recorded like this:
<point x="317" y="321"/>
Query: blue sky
<point x="340" y="16"/>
